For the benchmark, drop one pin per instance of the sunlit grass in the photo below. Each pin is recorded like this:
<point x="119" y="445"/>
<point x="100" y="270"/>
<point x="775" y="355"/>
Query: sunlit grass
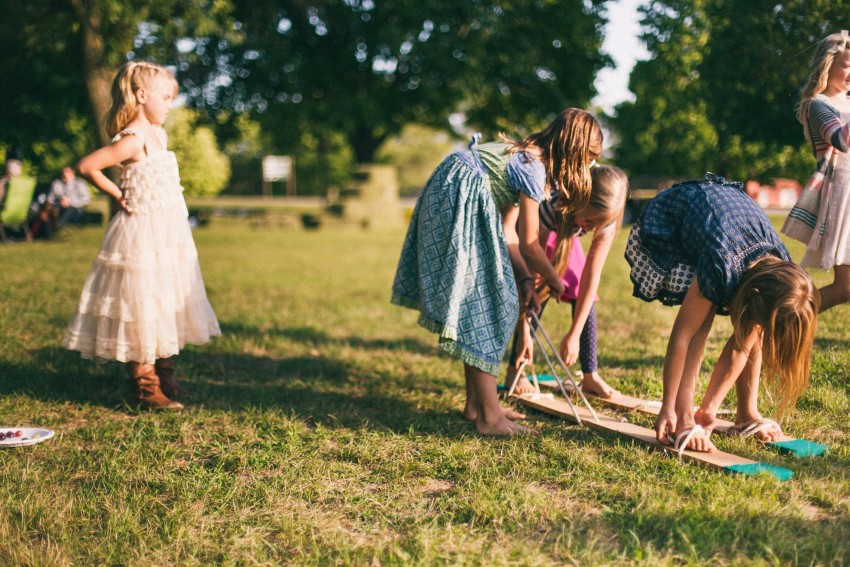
<point x="324" y="427"/>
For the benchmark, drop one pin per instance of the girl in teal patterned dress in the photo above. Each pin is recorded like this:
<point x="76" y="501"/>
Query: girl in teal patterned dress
<point x="472" y="246"/>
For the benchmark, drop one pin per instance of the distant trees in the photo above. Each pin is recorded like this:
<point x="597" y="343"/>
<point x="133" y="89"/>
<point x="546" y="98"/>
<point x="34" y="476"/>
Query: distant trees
<point x="59" y="58"/>
<point x="720" y="89"/>
<point x="332" y="80"/>
<point x="365" y="68"/>
<point x="204" y="169"/>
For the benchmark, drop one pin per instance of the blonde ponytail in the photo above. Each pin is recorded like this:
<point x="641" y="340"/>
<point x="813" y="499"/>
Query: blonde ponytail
<point x="130" y="78"/>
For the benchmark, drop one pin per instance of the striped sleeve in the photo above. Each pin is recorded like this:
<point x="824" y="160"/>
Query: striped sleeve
<point x="549" y="218"/>
<point x="826" y="127"/>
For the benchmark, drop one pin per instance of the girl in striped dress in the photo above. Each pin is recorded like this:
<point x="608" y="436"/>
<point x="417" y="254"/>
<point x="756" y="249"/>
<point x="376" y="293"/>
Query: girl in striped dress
<point x="824" y="112"/>
<point x="472" y="246"/>
<point x="581" y="275"/>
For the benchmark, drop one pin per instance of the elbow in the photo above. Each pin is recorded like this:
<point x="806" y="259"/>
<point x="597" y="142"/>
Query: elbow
<point x="82" y="168"/>
<point x="85" y="168"/>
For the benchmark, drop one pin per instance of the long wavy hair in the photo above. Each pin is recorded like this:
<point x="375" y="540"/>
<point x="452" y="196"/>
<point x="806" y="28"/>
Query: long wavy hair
<point x="609" y="189"/>
<point x="825" y="53"/>
<point x="568" y="146"/>
<point x="781" y="299"/>
<point x="130" y="78"/>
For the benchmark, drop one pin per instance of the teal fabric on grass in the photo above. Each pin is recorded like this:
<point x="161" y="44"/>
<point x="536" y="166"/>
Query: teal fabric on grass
<point x="454" y="266"/>
<point x="757" y="468"/>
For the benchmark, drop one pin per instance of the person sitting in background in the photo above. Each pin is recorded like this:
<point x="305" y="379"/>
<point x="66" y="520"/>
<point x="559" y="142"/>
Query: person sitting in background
<point x="14" y="168"/>
<point x="68" y="196"/>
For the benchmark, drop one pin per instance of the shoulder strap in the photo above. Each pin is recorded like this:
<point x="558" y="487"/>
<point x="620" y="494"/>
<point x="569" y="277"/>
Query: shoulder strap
<point x="133" y="132"/>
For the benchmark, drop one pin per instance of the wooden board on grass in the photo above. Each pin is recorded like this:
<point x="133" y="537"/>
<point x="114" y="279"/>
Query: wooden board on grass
<point x="716" y="459"/>
<point x="785" y="444"/>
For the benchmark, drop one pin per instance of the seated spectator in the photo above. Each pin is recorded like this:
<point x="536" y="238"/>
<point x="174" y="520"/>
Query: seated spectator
<point x="68" y="197"/>
<point x="14" y="168"/>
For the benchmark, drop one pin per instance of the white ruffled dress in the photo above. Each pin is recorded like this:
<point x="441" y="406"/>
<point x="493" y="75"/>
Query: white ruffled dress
<point x="144" y="298"/>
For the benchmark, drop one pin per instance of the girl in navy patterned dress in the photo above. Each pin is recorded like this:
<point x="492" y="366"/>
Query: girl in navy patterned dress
<point x="707" y="246"/>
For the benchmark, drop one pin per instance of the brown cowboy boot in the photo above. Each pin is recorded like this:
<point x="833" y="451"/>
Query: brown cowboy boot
<point x="144" y="380"/>
<point x="168" y="378"/>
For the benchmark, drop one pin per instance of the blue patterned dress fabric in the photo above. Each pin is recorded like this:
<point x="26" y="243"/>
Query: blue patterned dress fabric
<point x="710" y="229"/>
<point x="454" y="266"/>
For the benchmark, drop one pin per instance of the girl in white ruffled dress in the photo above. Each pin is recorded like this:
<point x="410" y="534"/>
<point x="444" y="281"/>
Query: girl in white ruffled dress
<point x="144" y="298"/>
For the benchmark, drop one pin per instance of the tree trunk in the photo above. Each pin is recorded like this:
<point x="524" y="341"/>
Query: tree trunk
<point x="365" y="143"/>
<point x="97" y="75"/>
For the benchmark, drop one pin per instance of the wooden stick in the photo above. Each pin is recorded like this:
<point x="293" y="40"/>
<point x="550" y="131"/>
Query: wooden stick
<point x="785" y="444"/>
<point x="716" y="459"/>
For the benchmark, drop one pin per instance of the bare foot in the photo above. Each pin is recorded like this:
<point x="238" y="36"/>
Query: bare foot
<point x="700" y="441"/>
<point x="592" y="383"/>
<point x="470" y="414"/>
<point x="522" y="387"/>
<point x="502" y="428"/>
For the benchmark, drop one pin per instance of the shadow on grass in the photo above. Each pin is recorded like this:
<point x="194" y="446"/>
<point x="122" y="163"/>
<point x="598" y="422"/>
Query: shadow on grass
<point x="829" y="343"/>
<point x="316" y="389"/>
<point x="609" y="360"/>
<point x="693" y="534"/>
<point x="317" y="337"/>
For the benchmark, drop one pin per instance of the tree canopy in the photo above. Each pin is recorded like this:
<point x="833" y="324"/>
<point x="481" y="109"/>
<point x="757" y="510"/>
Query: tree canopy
<point x="366" y="69"/>
<point x="720" y="89"/>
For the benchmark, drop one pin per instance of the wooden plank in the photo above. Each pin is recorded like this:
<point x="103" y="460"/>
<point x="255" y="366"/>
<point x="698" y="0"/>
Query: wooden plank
<point x="716" y="459"/>
<point x="785" y="444"/>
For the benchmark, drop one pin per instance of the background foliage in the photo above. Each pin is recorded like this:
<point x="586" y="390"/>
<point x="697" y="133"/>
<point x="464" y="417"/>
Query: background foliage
<point x="720" y="89"/>
<point x="331" y="81"/>
<point x="204" y="168"/>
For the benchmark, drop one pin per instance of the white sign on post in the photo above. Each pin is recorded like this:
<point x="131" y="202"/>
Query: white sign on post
<point x="278" y="168"/>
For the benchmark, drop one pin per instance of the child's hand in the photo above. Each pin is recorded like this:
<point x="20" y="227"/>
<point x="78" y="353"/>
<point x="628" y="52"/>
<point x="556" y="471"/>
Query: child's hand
<point x="665" y="425"/>
<point x="528" y="297"/>
<point x="558" y="291"/>
<point x="124" y="206"/>
<point x="569" y="348"/>
<point x="708" y="421"/>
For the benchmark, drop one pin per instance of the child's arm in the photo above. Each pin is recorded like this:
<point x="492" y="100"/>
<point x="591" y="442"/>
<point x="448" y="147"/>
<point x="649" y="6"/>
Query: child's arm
<point x="529" y="244"/>
<point x="523" y="276"/>
<point x="729" y="367"/>
<point x="695" y="311"/>
<point x="91" y="167"/>
<point x="588" y="286"/>
<point x="827" y="121"/>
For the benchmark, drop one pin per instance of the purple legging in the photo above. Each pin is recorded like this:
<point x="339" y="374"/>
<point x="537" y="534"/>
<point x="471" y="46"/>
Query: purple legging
<point x="587" y="341"/>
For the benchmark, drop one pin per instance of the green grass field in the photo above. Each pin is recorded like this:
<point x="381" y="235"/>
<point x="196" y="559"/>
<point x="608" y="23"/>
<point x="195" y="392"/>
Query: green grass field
<point x="324" y="428"/>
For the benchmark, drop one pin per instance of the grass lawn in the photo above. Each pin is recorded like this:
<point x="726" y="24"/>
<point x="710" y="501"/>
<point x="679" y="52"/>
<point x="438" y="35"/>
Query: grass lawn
<point x="324" y="427"/>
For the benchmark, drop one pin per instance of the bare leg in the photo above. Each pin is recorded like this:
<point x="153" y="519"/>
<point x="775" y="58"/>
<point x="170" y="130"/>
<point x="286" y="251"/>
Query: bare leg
<point x="523" y="386"/>
<point x="491" y="418"/>
<point x="470" y="408"/>
<point x="838" y="291"/>
<point x="747" y="388"/>
<point x="685" y="398"/>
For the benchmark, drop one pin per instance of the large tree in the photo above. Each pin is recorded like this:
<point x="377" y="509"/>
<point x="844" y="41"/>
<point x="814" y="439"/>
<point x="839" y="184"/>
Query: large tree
<point x="666" y="129"/>
<point x="365" y="68"/>
<point x="59" y="57"/>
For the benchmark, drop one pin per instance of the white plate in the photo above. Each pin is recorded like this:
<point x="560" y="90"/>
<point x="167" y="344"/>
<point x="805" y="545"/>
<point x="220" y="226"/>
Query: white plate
<point x="29" y="436"/>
